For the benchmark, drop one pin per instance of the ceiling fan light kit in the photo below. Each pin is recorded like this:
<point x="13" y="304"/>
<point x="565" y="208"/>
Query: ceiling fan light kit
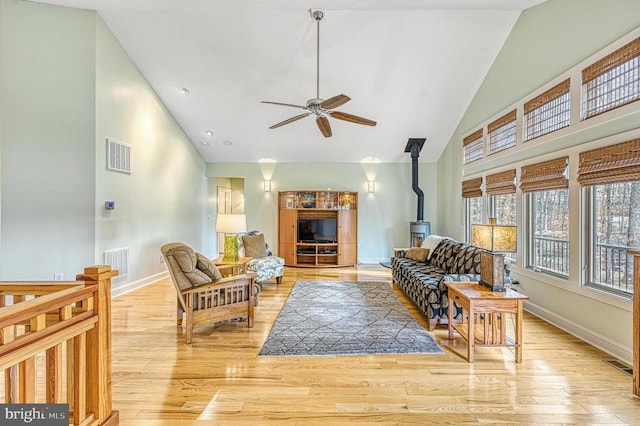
<point x="321" y="108"/>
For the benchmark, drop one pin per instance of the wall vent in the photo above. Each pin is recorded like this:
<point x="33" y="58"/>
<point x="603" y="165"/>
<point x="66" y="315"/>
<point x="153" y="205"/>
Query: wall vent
<point x="118" y="156"/>
<point x="118" y="259"/>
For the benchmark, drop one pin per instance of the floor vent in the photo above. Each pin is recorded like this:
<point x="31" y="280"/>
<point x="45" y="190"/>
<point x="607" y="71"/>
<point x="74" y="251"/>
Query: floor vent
<point x="620" y="366"/>
<point x="118" y="259"/>
<point x="118" y="156"/>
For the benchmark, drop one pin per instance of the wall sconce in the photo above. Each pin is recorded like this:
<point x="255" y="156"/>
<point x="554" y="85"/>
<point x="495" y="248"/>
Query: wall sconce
<point x="267" y="186"/>
<point x="371" y="186"/>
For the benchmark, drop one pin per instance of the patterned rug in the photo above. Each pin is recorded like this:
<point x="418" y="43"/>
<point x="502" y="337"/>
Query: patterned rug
<point x="346" y="318"/>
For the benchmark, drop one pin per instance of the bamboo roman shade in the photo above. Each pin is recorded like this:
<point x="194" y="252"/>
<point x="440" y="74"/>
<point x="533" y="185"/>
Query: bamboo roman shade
<point x="472" y="188"/>
<point x="611" y="61"/>
<point x="502" y="183"/>
<point x="502" y="133"/>
<point x="505" y="119"/>
<point x="472" y="137"/>
<point x="554" y="93"/>
<point x="611" y="164"/>
<point x="473" y="146"/>
<point x="544" y="176"/>
<point x="612" y="81"/>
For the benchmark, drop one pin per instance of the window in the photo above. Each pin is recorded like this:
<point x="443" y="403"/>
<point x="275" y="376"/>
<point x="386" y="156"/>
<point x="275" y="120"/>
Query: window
<point x="501" y="188"/>
<point x="474" y="210"/>
<point x="612" y="177"/>
<point x="546" y="185"/>
<point x="611" y="82"/>
<point x="472" y="192"/>
<point x="614" y="219"/>
<point x="473" y="146"/>
<point x="547" y="112"/>
<point x="502" y="133"/>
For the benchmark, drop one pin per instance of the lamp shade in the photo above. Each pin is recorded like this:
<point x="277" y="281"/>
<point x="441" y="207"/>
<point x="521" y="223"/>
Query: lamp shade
<point x="231" y="223"/>
<point x="500" y="238"/>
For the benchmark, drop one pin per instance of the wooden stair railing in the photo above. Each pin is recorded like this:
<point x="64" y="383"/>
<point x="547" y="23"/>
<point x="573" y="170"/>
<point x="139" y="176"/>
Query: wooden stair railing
<point x="55" y="345"/>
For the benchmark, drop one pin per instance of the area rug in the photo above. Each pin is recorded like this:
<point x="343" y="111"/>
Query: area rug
<point x="346" y="318"/>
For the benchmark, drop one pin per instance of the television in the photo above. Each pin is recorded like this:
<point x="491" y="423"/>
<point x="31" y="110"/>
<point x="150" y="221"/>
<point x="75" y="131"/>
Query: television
<point x="317" y="230"/>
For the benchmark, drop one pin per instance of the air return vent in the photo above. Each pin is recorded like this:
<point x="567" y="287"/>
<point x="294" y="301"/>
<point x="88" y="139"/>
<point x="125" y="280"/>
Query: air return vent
<point x="118" y="259"/>
<point x="118" y="156"/>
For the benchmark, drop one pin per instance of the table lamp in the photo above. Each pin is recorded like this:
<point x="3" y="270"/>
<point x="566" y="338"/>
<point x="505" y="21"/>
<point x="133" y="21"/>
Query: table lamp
<point x="231" y="225"/>
<point x="493" y="238"/>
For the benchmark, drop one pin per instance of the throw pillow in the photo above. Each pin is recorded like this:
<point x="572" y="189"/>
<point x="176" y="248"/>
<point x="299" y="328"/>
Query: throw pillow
<point x="431" y="242"/>
<point x="418" y="254"/>
<point x="205" y="265"/>
<point x="254" y="245"/>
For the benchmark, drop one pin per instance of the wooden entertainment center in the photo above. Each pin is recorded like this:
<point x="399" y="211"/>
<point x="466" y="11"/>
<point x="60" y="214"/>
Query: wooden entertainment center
<point x="318" y="228"/>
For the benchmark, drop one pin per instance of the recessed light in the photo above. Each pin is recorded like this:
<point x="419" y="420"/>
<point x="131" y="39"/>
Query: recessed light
<point x="209" y="133"/>
<point x="184" y="91"/>
<point x="228" y="143"/>
<point x="205" y="143"/>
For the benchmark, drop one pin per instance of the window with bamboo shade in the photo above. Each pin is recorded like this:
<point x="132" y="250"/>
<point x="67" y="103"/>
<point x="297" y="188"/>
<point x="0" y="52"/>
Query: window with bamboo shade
<point x="617" y="163"/>
<point x="501" y="133"/>
<point x="612" y="81"/>
<point x="472" y="188"/>
<point x="548" y="111"/>
<point x="544" y="176"/>
<point x="473" y="146"/>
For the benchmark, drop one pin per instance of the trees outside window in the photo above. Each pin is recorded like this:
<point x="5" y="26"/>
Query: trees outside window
<point x="549" y="231"/>
<point x="473" y="215"/>
<point x="615" y="228"/>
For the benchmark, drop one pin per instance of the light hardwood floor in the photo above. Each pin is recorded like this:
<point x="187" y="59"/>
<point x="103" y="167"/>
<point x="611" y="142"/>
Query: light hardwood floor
<point x="219" y="379"/>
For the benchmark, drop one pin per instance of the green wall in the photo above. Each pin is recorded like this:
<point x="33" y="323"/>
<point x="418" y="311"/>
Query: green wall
<point x="66" y="85"/>
<point x="546" y="41"/>
<point x="383" y="216"/>
<point x="47" y="113"/>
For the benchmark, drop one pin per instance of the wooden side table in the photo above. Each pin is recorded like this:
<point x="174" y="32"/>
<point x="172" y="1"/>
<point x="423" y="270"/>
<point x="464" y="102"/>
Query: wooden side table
<point x="475" y="300"/>
<point x="235" y="268"/>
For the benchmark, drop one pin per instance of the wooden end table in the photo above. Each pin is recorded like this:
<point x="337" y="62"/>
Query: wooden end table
<point x="491" y="331"/>
<point x="236" y="268"/>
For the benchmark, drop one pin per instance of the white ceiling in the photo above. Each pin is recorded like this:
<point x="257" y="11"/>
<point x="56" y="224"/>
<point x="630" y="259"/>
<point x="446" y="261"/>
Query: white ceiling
<point x="411" y="65"/>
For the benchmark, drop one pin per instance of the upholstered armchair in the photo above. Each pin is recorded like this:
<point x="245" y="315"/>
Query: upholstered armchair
<point x="263" y="263"/>
<point x="204" y="296"/>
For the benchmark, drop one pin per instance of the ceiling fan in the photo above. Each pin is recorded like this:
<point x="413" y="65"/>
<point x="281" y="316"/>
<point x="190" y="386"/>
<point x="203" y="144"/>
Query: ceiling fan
<point x="322" y="108"/>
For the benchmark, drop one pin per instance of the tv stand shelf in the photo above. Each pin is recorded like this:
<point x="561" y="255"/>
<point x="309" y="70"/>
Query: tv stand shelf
<point x="318" y="228"/>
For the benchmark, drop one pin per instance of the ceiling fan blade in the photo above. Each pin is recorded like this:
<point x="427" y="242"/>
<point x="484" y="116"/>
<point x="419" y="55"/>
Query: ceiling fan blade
<point x="335" y="102"/>
<point x="352" y="118"/>
<point x="324" y="126"/>
<point x="283" y="104"/>
<point x="289" y="120"/>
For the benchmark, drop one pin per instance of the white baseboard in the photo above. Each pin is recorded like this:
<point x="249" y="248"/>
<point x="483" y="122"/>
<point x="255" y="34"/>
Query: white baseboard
<point x="615" y="349"/>
<point x="127" y="287"/>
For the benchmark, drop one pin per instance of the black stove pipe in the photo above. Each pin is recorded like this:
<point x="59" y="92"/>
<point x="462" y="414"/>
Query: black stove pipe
<point x="414" y="146"/>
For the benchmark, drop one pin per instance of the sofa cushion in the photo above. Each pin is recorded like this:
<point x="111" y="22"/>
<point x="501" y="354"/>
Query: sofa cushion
<point x="254" y="245"/>
<point x="467" y="261"/>
<point x="445" y="254"/>
<point x="417" y="253"/>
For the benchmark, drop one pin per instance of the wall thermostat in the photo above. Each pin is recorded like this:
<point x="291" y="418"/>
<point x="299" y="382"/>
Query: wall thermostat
<point x="109" y="205"/>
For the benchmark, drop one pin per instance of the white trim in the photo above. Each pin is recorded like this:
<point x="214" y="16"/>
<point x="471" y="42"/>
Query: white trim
<point x="128" y="287"/>
<point x="615" y="349"/>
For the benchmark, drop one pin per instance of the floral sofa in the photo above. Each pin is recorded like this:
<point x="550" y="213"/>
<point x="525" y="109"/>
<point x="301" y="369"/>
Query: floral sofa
<point x="423" y="282"/>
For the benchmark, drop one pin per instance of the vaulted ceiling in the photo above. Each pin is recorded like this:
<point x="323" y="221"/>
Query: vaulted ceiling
<point x="411" y="65"/>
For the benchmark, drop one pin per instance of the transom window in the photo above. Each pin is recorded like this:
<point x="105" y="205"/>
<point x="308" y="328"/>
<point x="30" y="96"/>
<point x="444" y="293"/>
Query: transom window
<point x="501" y="133"/>
<point x="473" y="146"/>
<point x="548" y="112"/>
<point x="613" y="81"/>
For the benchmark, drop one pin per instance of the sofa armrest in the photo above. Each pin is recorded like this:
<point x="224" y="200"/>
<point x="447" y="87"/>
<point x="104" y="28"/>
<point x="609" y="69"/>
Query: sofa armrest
<point x="461" y="277"/>
<point x="400" y="251"/>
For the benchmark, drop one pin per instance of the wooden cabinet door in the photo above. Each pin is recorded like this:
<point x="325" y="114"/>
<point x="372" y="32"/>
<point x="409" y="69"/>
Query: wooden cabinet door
<point x="287" y="236"/>
<point x="347" y="237"/>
